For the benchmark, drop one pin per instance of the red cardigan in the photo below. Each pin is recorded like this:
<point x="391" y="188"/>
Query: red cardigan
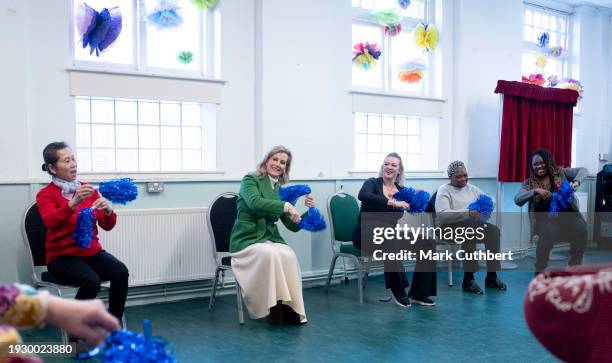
<point x="61" y="220"/>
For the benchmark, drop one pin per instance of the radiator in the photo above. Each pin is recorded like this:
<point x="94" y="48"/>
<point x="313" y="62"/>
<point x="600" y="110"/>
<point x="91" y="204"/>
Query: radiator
<point x="161" y="245"/>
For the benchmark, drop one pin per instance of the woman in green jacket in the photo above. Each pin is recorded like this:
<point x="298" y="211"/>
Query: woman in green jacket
<point x="266" y="268"/>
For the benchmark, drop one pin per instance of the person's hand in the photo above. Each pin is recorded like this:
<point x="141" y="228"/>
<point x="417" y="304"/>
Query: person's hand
<point x="309" y="202"/>
<point x="83" y="318"/>
<point x="474" y="214"/>
<point x="402" y="205"/>
<point x="83" y="192"/>
<point x="293" y="213"/>
<point x="543" y="193"/>
<point x="576" y="184"/>
<point x="102" y="203"/>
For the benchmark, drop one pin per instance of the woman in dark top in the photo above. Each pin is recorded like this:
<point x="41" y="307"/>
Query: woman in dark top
<point x="376" y="196"/>
<point x="545" y="178"/>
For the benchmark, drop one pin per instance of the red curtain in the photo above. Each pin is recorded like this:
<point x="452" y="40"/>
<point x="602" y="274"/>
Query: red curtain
<point x="533" y="117"/>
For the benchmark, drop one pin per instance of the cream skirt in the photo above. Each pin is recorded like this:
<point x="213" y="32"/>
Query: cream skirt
<point x="268" y="272"/>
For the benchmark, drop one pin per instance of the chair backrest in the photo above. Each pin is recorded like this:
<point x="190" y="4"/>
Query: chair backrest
<point x="343" y="211"/>
<point x="34" y="232"/>
<point x="221" y="217"/>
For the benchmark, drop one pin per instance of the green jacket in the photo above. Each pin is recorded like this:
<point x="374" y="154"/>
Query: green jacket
<point x="259" y="207"/>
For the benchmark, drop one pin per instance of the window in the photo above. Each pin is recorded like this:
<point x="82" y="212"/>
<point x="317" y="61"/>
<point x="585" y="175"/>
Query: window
<point x="414" y="138"/>
<point x="191" y="48"/>
<point x="128" y="135"/>
<point x="397" y="50"/>
<point x="538" y="20"/>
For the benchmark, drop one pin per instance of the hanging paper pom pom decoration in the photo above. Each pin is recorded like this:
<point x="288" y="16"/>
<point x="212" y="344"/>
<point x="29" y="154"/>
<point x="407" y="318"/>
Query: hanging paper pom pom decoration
<point x="185" y="56"/>
<point x="417" y="199"/>
<point x="292" y="193"/>
<point x="536" y="79"/>
<point x="204" y="4"/>
<point x="426" y="36"/>
<point x="366" y="55"/>
<point x="484" y="205"/>
<point x="552" y="81"/>
<point x="313" y="221"/>
<point x="411" y="72"/>
<point x="119" y="191"/>
<point x="128" y="346"/>
<point x="403" y="3"/>
<point x="165" y="15"/>
<point x="561" y="199"/>
<point x="554" y="52"/>
<point x="541" y="61"/>
<point x="84" y="227"/>
<point x="393" y="30"/>
<point x="543" y="39"/>
<point x="98" y="29"/>
<point x="570" y="83"/>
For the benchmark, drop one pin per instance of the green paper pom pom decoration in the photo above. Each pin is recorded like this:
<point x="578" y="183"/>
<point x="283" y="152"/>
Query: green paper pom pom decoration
<point x="185" y="56"/>
<point x="204" y="4"/>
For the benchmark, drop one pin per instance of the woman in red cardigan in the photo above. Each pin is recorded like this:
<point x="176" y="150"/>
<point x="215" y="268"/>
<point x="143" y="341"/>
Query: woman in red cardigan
<point x="59" y="204"/>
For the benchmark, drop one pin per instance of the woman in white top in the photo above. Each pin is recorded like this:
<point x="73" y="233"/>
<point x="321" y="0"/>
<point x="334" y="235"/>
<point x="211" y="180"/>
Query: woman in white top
<point x="452" y="203"/>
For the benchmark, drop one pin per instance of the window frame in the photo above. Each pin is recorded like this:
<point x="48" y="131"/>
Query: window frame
<point x="209" y="38"/>
<point x="533" y="48"/>
<point x="361" y="16"/>
<point x="208" y="151"/>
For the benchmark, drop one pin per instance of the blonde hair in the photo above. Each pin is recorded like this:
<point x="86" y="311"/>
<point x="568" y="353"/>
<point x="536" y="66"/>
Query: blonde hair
<point x="400" y="179"/>
<point x="261" y="171"/>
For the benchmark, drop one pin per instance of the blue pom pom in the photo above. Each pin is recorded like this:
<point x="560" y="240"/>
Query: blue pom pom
<point x="403" y="3"/>
<point x="543" y="39"/>
<point x="561" y="199"/>
<point x="128" y="346"/>
<point x="484" y="205"/>
<point x="84" y="228"/>
<point x="417" y="199"/>
<point x="292" y="193"/>
<point x="313" y="221"/>
<point x="119" y="191"/>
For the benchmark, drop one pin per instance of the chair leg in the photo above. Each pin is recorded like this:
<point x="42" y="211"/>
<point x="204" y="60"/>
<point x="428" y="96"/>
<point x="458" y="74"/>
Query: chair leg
<point x="366" y="273"/>
<point x="359" y="279"/>
<point x="239" y="303"/>
<point x="124" y="321"/>
<point x="450" y="273"/>
<point x="222" y="278"/>
<point x="211" y="304"/>
<point x="346" y="279"/>
<point x="331" y="271"/>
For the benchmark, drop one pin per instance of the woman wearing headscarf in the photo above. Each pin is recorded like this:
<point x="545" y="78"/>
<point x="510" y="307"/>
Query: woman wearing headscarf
<point x="452" y="211"/>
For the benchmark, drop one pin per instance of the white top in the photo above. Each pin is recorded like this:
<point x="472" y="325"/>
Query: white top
<point x="452" y="202"/>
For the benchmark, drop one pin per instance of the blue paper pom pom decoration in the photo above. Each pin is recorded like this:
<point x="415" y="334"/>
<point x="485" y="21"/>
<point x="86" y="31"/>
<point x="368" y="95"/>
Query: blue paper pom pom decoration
<point x="313" y="221"/>
<point x="119" y="191"/>
<point x="561" y="199"/>
<point x="417" y="199"/>
<point x="84" y="227"/>
<point x="292" y="193"/>
<point x="127" y="346"/>
<point x="484" y="205"/>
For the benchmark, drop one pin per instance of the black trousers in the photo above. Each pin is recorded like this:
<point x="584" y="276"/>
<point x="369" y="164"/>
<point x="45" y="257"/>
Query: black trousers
<point x="567" y="226"/>
<point x="424" y="282"/>
<point x="88" y="273"/>
<point x="491" y="242"/>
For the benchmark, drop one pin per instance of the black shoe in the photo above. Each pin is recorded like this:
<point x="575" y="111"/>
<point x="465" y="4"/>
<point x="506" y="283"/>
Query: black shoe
<point x="290" y="317"/>
<point x="495" y="283"/>
<point x="276" y="315"/>
<point x="401" y="298"/>
<point x="425" y="301"/>
<point x="471" y="286"/>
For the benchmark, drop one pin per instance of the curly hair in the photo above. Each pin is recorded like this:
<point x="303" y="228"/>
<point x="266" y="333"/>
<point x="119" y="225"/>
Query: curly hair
<point x="551" y="166"/>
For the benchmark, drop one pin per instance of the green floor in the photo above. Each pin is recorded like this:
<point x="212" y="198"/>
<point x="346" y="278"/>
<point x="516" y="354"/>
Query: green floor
<point x="461" y="328"/>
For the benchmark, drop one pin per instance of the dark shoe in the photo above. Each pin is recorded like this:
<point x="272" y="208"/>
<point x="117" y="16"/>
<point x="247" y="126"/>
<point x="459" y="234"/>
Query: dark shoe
<point x="276" y="315"/>
<point x="425" y="301"/>
<point x="401" y="298"/>
<point x="290" y="317"/>
<point x="495" y="283"/>
<point x="472" y="287"/>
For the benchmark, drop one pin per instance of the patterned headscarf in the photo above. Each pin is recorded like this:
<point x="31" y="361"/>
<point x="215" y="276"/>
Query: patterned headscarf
<point x="453" y="167"/>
